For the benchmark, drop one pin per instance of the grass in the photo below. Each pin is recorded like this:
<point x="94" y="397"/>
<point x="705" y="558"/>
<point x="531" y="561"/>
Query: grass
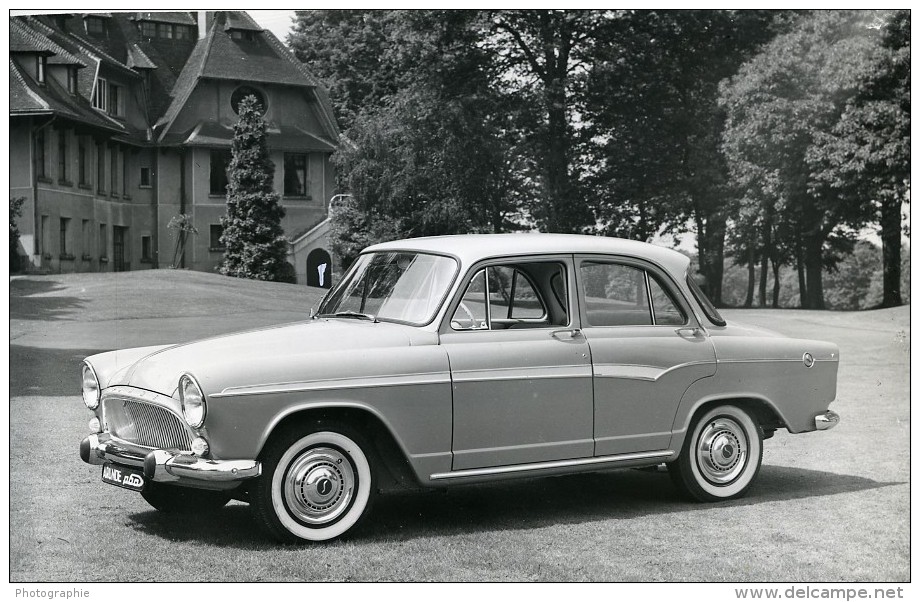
<point x="828" y="506"/>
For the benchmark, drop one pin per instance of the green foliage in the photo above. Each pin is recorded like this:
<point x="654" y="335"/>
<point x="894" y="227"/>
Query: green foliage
<point x="782" y="106"/>
<point x="255" y="246"/>
<point x="15" y="214"/>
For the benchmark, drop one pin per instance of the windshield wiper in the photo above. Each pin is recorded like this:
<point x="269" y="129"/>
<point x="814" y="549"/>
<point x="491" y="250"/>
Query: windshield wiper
<point x="348" y="314"/>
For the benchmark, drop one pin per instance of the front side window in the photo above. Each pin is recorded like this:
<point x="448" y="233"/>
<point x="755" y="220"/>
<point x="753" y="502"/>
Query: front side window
<point x="508" y="297"/>
<point x="220" y="160"/>
<point x="395" y="286"/>
<point x="295" y="174"/>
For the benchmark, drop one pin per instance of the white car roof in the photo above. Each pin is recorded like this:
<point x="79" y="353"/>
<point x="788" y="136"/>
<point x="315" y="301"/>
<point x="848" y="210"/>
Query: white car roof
<point x="470" y="248"/>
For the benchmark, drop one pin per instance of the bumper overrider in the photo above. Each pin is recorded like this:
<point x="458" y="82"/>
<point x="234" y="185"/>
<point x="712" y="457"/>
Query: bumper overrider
<point x="827" y="420"/>
<point x="167" y="466"/>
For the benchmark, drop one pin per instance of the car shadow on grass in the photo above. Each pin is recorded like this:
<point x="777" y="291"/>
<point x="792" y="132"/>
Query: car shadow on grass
<point x="27" y="304"/>
<point x="526" y="504"/>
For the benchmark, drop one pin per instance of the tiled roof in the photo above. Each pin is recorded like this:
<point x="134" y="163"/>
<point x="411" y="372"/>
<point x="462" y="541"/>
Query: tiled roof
<point x="241" y="20"/>
<point x="285" y="138"/>
<point x="138" y="60"/>
<point x="256" y="60"/>
<point x="179" y="18"/>
<point x="25" y="39"/>
<point x="22" y="98"/>
<point x="27" y="96"/>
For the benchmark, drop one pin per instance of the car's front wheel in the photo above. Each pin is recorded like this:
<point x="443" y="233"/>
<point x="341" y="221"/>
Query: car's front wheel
<point x="314" y="486"/>
<point x="721" y="455"/>
<point x="171" y="498"/>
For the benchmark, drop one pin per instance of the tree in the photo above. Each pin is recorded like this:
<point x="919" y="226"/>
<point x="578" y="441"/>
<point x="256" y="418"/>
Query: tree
<point x="255" y="246"/>
<point x="652" y="108"/>
<point x="15" y="214"/>
<point x="781" y="106"/>
<point x="866" y="154"/>
<point x="184" y="224"/>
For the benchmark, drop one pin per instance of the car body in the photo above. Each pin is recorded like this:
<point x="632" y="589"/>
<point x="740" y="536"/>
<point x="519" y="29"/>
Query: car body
<point x="459" y="359"/>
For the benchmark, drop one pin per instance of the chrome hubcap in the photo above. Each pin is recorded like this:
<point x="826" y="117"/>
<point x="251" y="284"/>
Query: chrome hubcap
<point x="721" y="451"/>
<point x="319" y="485"/>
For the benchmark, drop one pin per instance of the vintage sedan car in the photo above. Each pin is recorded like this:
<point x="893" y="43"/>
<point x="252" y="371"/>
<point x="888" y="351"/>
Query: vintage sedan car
<point x="449" y="360"/>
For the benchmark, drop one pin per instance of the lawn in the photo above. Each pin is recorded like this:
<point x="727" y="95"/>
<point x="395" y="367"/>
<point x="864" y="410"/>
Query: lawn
<point x="830" y="506"/>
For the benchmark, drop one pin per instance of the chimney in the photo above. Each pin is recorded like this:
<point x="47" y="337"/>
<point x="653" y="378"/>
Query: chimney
<point x="203" y="23"/>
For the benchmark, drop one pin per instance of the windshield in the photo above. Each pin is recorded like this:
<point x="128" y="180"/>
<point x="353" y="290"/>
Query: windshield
<point x="397" y="286"/>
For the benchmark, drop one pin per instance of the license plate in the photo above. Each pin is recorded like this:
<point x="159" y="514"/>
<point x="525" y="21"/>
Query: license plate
<point x="123" y="476"/>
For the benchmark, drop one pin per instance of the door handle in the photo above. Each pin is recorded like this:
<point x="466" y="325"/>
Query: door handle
<point x="564" y="335"/>
<point x="689" y="333"/>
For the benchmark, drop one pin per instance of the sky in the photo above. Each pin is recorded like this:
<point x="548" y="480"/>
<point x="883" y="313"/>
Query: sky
<point x="278" y="21"/>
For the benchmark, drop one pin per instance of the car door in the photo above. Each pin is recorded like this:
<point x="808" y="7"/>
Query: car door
<point x="646" y="346"/>
<point x="520" y="368"/>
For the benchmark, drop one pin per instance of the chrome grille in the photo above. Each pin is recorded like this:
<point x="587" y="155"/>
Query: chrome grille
<point x="145" y="424"/>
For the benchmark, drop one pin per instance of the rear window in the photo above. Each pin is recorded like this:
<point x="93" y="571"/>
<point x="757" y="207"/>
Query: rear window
<point x="708" y="308"/>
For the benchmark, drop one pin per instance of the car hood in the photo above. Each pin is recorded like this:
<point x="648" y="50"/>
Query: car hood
<point x="267" y="355"/>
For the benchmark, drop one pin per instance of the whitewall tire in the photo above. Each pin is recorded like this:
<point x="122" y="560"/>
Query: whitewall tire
<point x="721" y="455"/>
<point x="314" y="486"/>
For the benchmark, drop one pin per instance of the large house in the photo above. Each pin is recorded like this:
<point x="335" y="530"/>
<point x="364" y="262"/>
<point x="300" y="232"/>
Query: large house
<point x="121" y="122"/>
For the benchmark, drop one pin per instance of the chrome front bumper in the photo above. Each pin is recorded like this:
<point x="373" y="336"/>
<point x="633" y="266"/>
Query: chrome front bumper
<point x="827" y="420"/>
<point x="166" y="466"/>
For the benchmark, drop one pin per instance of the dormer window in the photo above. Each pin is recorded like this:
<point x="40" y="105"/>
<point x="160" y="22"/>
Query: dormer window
<point x="240" y="34"/>
<point x="41" y="62"/>
<point x="148" y="29"/>
<point x="72" y="80"/>
<point x="101" y="95"/>
<point x="94" y="25"/>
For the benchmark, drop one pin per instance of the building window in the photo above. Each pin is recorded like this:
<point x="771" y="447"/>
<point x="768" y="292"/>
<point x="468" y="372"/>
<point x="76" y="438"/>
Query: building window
<point x="114" y="171"/>
<point x="220" y="160"/>
<point x="82" y="162"/>
<point x="146" y="255"/>
<point x="100" y="168"/>
<point x="95" y="25"/>
<point x="116" y="100"/>
<point x="241" y="34"/>
<point x="41" y="62"/>
<point x="40" y="153"/>
<point x="242" y="92"/>
<point x="148" y="29"/>
<point x="103" y="242"/>
<point x="62" y="156"/>
<point x="145" y="177"/>
<point x="124" y="175"/>
<point x="85" y="241"/>
<point x="295" y="174"/>
<point x="65" y="227"/>
<point x="101" y="95"/>
<point x="45" y="243"/>
<point x="72" y="80"/>
<point x="183" y="32"/>
<point x="215" y="243"/>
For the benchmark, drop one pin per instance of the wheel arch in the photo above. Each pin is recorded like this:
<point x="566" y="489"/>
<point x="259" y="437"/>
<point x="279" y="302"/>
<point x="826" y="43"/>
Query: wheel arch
<point x="393" y="458"/>
<point x="761" y="408"/>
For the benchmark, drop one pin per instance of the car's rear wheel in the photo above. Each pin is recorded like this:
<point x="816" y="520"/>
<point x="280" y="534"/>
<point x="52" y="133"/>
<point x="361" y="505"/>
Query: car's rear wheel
<point x="171" y="498"/>
<point x="721" y="455"/>
<point x="314" y="486"/>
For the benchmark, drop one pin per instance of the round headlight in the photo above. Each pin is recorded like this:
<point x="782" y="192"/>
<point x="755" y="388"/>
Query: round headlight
<point x="194" y="407"/>
<point x="90" y="387"/>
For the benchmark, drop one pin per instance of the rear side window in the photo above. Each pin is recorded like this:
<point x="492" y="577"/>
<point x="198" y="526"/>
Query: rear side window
<point x="625" y="295"/>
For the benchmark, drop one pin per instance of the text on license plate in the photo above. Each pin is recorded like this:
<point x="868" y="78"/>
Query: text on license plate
<point x="129" y="478"/>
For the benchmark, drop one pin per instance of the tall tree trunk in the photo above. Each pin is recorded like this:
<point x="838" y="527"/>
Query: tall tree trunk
<point x="891" y="252"/>
<point x="715" y="249"/>
<point x="814" y="267"/>
<point x="765" y="254"/>
<point x="749" y="298"/>
<point x="776" y="284"/>
<point x="562" y="210"/>
<point x="800" y="268"/>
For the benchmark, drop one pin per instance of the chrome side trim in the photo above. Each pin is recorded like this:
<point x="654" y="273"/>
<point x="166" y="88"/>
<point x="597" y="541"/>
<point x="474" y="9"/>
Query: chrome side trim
<point x="517" y="373"/>
<point x="481" y="472"/>
<point x="762" y="360"/>
<point x="640" y="371"/>
<point x="393" y="380"/>
<point x="827" y="420"/>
